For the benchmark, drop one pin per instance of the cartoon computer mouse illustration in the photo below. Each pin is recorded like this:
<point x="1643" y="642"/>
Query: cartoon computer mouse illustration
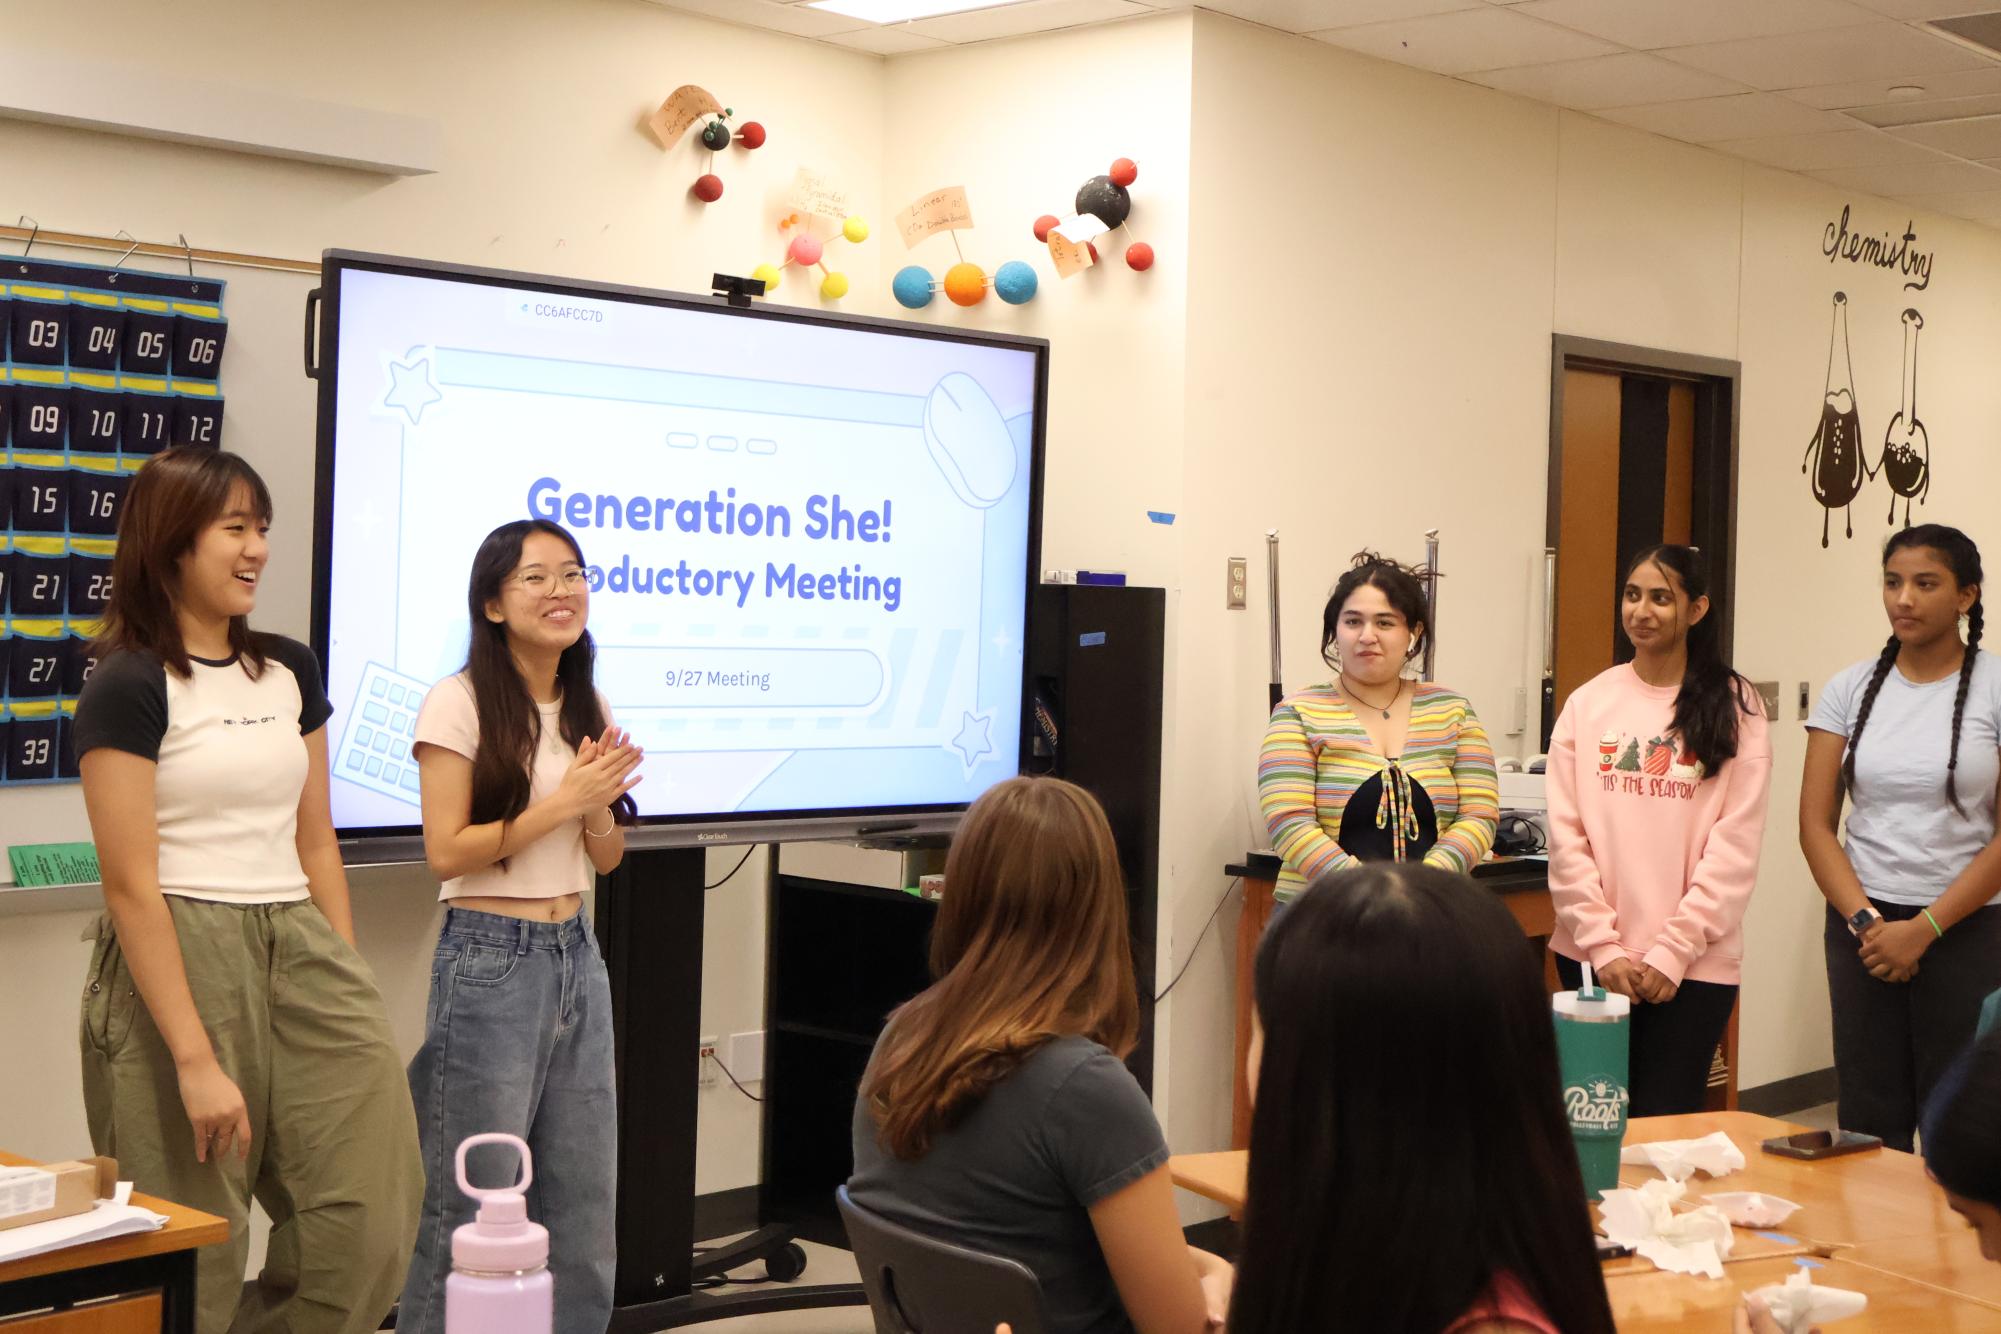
<point x="969" y="440"/>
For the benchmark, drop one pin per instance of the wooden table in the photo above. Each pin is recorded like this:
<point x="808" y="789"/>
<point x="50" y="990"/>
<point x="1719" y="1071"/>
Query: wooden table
<point x="1873" y="1222"/>
<point x="1951" y="1262"/>
<point x="153" y="1271"/>
<point x="1877" y="1195"/>
<point x="1661" y="1303"/>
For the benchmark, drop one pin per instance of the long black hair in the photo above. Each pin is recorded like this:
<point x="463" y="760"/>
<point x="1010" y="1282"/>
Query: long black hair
<point x="1384" y="1197"/>
<point x="1713" y="696"/>
<point x="1960" y="1145"/>
<point x="1957" y="553"/>
<point x="510" y="726"/>
<point x="1402" y="588"/>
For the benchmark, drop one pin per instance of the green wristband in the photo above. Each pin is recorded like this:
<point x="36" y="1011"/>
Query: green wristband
<point x="1934" y="921"/>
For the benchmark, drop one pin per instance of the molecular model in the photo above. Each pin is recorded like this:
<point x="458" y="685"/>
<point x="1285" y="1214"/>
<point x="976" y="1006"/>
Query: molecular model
<point x="965" y="283"/>
<point x="716" y="136"/>
<point x="1104" y="198"/>
<point x="683" y="107"/>
<point x="808" y="251"/>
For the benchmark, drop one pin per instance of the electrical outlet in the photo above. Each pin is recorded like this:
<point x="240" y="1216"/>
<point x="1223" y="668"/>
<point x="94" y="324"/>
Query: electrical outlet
<point x="705" y="1052"/>
<point x="1239" y="582"/>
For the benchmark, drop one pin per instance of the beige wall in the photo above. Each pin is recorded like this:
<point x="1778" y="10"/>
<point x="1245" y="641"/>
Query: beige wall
<point x="1346" y="338"/>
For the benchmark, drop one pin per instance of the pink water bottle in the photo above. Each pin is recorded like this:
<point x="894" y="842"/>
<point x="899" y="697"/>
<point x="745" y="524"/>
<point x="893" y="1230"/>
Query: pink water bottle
<point x="500" y="1281"/>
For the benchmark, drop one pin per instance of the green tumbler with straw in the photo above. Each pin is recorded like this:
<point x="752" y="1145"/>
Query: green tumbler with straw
<point x="1593" y="1036"/>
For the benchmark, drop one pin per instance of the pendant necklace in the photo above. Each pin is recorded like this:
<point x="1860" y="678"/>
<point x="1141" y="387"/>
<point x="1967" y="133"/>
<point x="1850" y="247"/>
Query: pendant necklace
<point x="1384" y="709"/>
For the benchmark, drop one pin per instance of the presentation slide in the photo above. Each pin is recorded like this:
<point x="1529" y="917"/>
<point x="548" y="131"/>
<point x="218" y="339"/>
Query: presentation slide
<point x="807" y="544"/>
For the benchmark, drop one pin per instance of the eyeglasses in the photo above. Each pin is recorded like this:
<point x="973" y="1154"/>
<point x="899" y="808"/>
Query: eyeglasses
<point x="537" y="582"/>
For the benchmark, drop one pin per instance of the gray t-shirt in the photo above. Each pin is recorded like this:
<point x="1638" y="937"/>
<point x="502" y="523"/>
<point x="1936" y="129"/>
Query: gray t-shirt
<point x="1904" y="839"/>
<point x="1016" y="1178"/>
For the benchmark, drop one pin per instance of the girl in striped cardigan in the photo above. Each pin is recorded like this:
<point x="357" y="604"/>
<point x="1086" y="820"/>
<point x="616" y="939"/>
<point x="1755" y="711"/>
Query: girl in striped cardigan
<point x="1374" y="766"/>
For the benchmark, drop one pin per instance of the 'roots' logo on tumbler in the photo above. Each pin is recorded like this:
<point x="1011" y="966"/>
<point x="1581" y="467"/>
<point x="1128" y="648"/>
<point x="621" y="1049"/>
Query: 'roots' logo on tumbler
<point x="1596" y="1106"/>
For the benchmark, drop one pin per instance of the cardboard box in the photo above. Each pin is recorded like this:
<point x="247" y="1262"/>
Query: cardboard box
<point x="55" y="1190"/>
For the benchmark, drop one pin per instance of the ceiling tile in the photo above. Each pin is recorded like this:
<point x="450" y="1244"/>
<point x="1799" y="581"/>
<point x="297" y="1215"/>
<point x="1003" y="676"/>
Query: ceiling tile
<point x="797" y="20"/>
<point x="1647" y="24"/>
<point x="1706" y="120"/>
<point x="895" y="40"/>
<point x="1835" y="55"/>
<point x="1975" y="137"/>
<point x="1923" y="113"/>
<point x="981" y="25"/>
<point x="1914" y="178"/>
<point x="1829" y="150"/>
<point x="1928" y="9"/>
<point x="1607" y="81"/>
<point x="1475" y="39"/>
<point x="1980" y="205"/>
<point x="1869" y="92"/>
<point x="1318" y="15"/>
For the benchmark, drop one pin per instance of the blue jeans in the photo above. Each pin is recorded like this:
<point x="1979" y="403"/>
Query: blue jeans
<point x="518" y="1039"/>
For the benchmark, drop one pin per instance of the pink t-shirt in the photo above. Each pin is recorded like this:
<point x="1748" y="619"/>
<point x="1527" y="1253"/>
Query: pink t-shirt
<point x="554" y="864"/>
<point x="1505" y="1304"/>
<point x="1651" y="859"/>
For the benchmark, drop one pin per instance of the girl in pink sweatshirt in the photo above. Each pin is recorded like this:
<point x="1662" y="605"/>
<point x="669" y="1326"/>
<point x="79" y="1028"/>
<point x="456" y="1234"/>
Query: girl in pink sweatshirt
<point x="1658" y="771"/>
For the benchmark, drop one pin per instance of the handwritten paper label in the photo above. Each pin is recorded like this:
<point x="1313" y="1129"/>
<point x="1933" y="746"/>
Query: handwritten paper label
<point x="683" y="107"/>
<point x="944" y="210"/>
<point x="814" y="194"/>
<point x="1070" y="259"/>
<point x="1084" y="227"/>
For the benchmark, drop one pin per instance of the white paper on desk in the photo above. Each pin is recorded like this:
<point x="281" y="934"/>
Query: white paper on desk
<point x="1693" y="1242"/>
<point x="115" y="1217"/>
<point x="1798" y="1304"/>
<point x="1750" y="1208"/>
<point x="1680" y="1159"/>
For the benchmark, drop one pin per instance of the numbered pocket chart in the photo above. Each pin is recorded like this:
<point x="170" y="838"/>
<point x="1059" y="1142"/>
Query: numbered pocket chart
<point x="99" y="369"/>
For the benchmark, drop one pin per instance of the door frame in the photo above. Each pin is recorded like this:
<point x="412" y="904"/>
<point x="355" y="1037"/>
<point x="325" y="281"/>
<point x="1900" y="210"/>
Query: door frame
<point x="1713" y="509"/>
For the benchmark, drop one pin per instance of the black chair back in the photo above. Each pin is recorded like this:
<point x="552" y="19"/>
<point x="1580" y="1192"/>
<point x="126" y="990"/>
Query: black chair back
<point x="919" y="1285"/>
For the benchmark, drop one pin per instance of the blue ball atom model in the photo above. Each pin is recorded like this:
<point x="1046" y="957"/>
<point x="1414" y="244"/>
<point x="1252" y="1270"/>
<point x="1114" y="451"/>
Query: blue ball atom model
<point x="912" y="286"/>
<point x="1014" y="282"/>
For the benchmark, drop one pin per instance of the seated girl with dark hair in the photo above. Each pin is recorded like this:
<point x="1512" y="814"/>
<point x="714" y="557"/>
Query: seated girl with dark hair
<point x="1411" y="1169"/>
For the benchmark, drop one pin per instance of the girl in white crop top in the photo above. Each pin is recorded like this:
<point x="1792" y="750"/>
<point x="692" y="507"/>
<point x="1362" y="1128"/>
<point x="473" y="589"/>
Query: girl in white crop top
<point x="525" y="780"/>
<point x="234" y="1044"/>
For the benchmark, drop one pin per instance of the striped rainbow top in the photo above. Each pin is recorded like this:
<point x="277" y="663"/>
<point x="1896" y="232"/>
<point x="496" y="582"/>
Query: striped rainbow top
<point x="1316" y="756"/>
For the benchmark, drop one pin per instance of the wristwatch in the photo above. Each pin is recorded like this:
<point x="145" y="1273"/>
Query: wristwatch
<point x="1863" y="919"/>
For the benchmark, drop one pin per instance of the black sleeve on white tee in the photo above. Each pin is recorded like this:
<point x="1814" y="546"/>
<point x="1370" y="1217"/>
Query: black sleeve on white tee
<point x="296" y="658"/>
<point x="124" y="707"/>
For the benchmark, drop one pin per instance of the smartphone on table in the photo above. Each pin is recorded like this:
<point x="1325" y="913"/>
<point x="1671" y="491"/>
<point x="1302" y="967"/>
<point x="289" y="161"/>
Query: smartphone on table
<point x="1813" y="1145"/>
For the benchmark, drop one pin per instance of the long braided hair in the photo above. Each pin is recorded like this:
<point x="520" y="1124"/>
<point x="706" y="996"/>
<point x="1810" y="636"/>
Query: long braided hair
<point x="1958" y="553"/>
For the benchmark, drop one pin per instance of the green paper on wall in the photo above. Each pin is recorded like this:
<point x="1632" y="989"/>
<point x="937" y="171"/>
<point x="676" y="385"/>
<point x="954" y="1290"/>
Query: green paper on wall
<point x="37" y="865"/>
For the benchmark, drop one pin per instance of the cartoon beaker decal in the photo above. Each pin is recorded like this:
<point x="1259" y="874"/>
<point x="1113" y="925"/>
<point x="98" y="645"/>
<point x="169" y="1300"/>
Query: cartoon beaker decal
<point x="1834" y="455"/>
<point x="1907" y="454"/>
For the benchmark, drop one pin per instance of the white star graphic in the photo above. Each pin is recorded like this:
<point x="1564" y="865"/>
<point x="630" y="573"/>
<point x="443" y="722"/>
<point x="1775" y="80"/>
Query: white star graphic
<point x="973" y="740"/>
<point x="410" y="388"/>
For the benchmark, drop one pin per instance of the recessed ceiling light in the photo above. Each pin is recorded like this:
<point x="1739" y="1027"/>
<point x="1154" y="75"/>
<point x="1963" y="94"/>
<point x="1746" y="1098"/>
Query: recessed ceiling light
<point x="1905" y="92"/>
<point x="901" y="11"/>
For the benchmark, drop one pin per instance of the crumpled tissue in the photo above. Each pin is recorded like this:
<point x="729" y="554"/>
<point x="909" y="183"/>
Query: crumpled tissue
<point x="1680" y="1159"/>
<point x="1798" y="1304"/>
<point x="1691" y="1242"/>
<point x="1750" y="1208"/>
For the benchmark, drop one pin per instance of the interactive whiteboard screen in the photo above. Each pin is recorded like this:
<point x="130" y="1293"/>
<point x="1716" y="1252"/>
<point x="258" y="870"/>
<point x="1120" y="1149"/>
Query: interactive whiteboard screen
<point x="809" y="538"/>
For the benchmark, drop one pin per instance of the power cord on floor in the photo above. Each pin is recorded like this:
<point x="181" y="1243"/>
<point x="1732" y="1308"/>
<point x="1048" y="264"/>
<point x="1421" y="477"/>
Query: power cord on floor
<point x="733" y="1079"/>
<point x="1227" y="891"/>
